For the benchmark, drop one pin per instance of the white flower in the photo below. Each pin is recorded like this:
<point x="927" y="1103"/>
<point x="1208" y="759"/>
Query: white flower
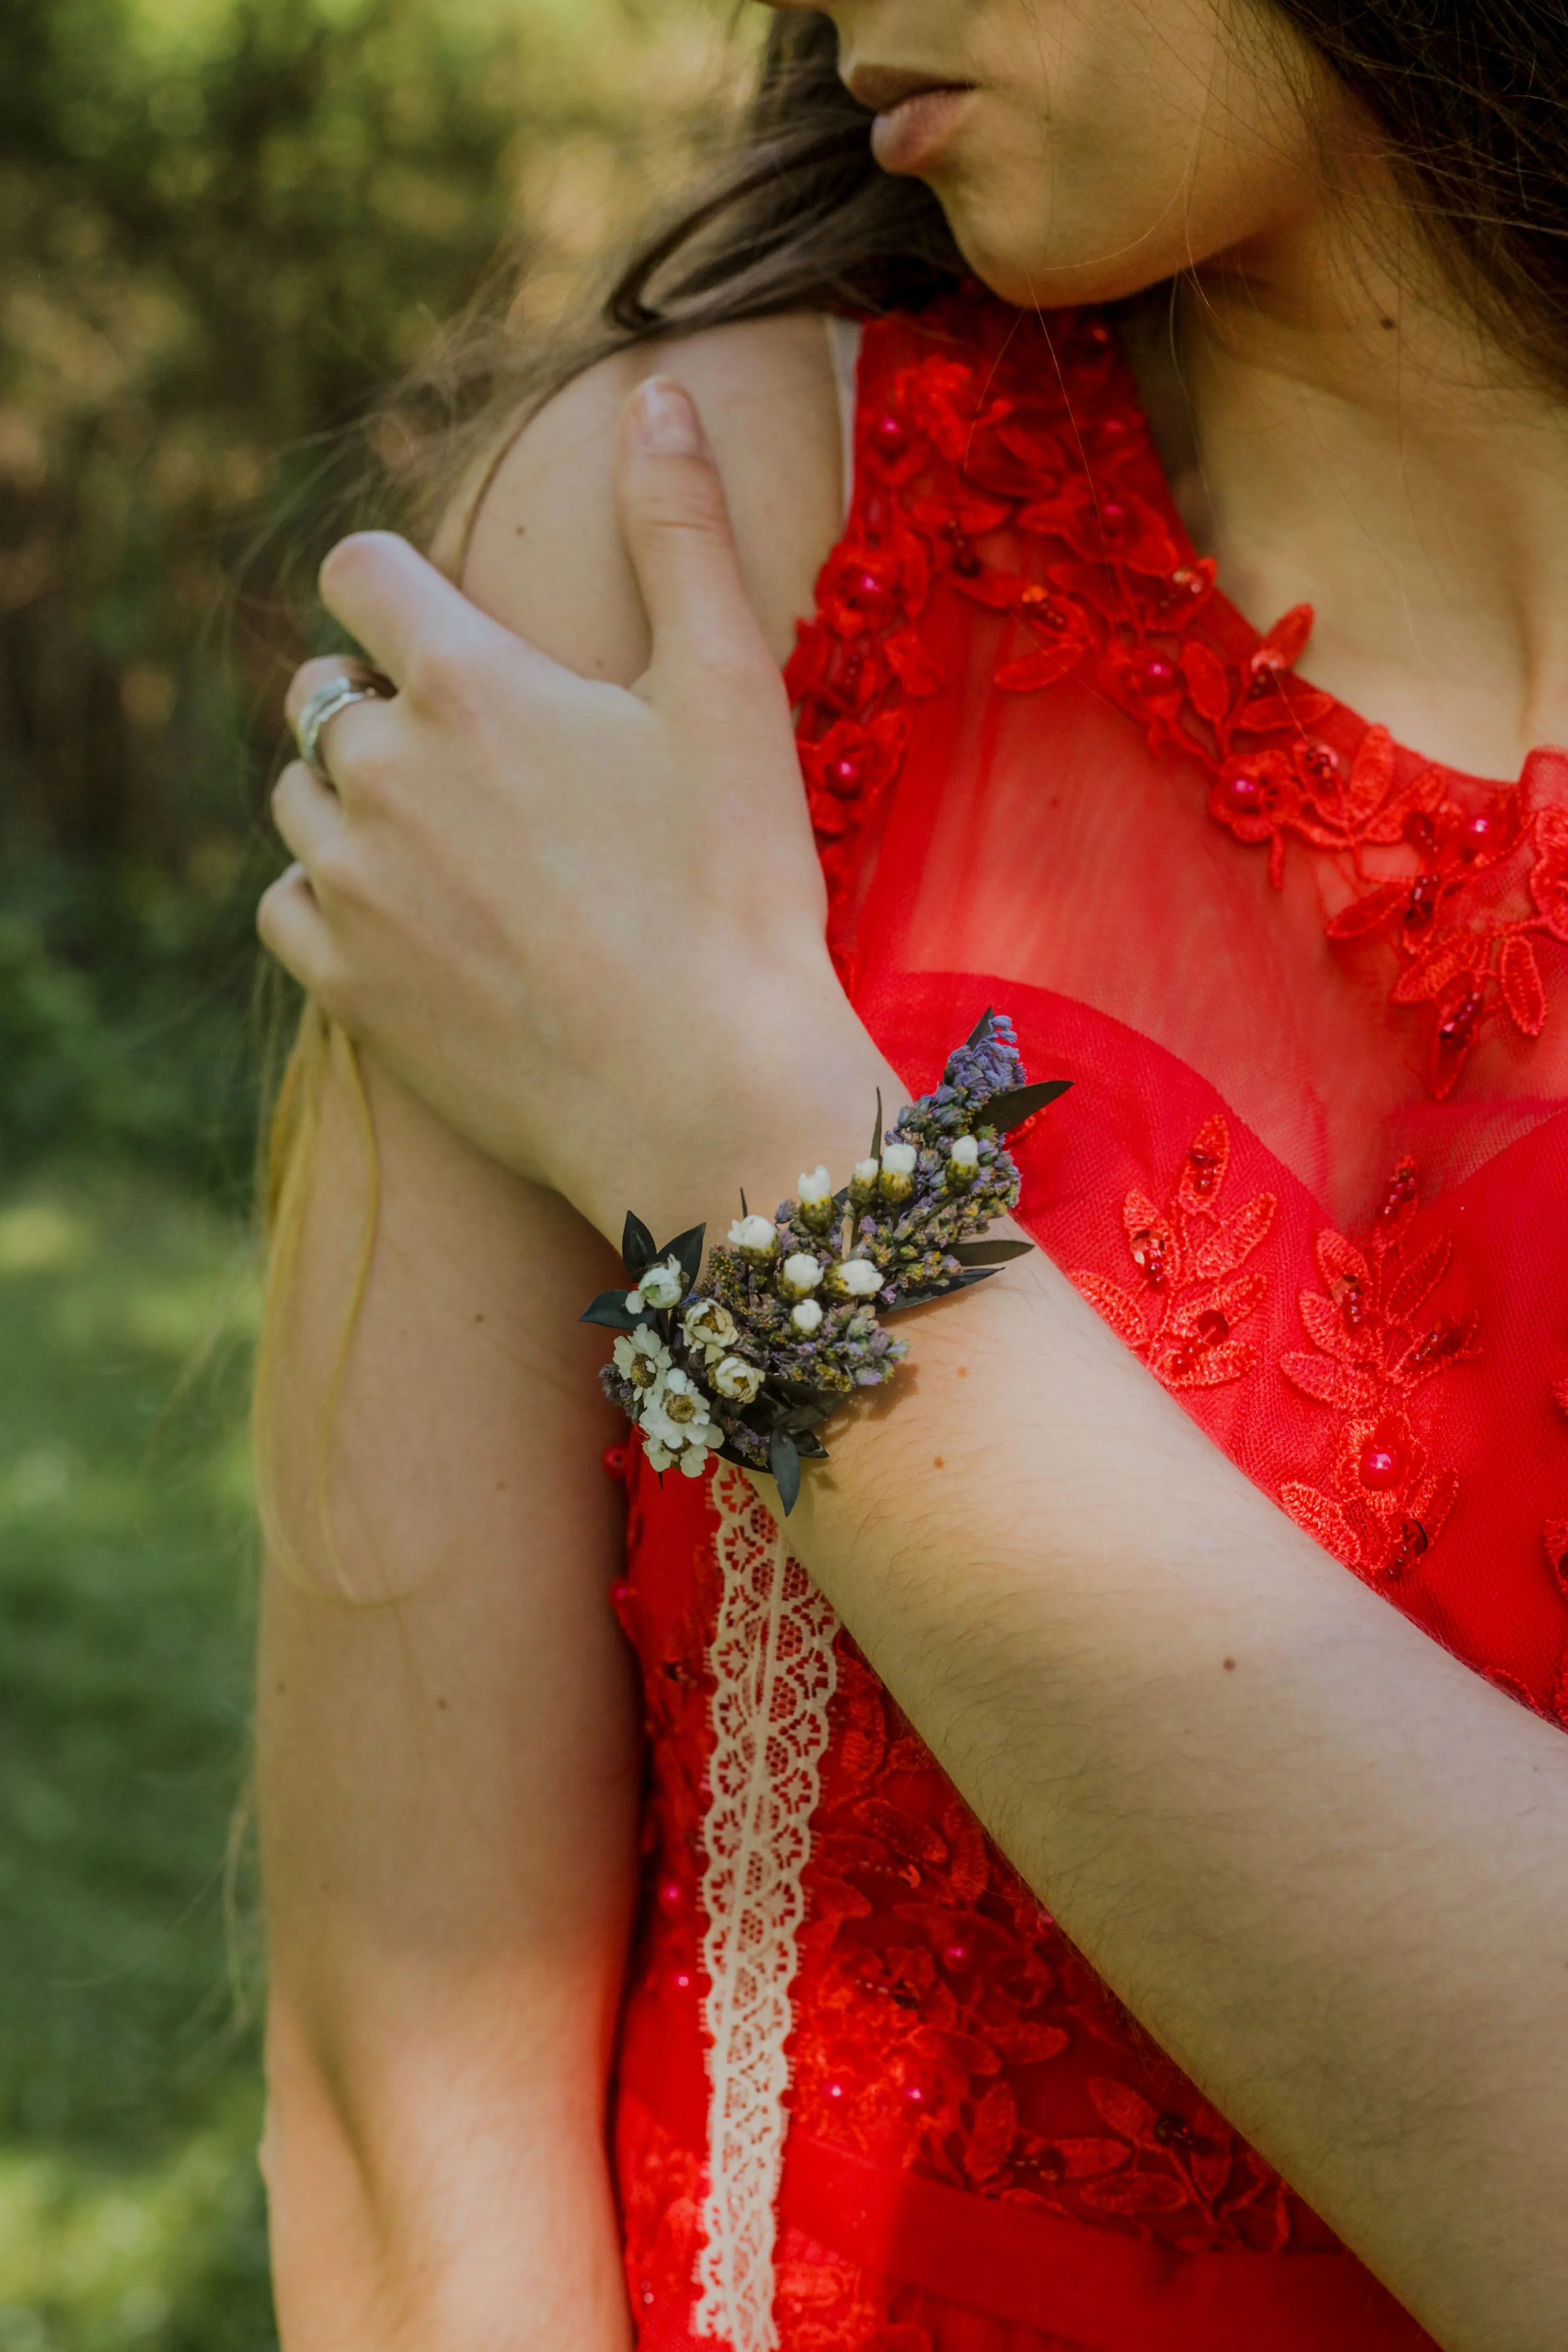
<point x="806" y="1318"/>
<point x="663" y="1285"/>
<point x="737" y="1378"/>
<point x="898" y="1160"/>
<point x="676" y="1426"/>
<point x="815" y="1187"/>
<point x="799" y="1276"/>
<point x="857" y="1277"/>
<point x="866" y="1172"/>
<point x="754" y="1236"/>
<point x="640" y="1357"/>
<point x="965" y="1152"/>
<point x="709" y="1327"/>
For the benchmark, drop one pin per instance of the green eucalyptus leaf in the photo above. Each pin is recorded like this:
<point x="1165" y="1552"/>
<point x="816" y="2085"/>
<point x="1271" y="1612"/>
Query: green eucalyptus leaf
<point x="610" y="1310"/>
<point x="1007" y="1111"/>
<point x="784" y="1461"/>
<point x="995" y="1252"/>
<point x="686" y="1249"/>
<point x="939" y="1290"/>
<point x="808" y="1444"/>
<point x="637" y="1251"/>
<point x="877" y="1132"/>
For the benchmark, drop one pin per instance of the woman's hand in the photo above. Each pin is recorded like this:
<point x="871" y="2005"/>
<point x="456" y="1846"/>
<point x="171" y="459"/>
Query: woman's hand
<point x="584" y="924"/>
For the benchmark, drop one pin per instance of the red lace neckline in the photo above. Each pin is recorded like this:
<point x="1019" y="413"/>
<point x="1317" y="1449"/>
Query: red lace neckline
<point x="1013" y="459"/>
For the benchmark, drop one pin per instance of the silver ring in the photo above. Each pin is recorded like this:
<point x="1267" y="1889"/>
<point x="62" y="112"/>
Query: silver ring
<point x="325" y="703"/>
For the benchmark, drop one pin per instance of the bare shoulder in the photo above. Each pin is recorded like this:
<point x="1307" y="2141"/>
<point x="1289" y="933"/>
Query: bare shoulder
<point x="546" y="555"/>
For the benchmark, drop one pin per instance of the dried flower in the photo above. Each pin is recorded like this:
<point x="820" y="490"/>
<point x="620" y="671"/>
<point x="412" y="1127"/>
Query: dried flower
<point x="641" y="1357"/>
<point x="855" y="1277"/>
<point x="962" y="1164"/>
<point x="755" y="1238"/>
<point x="815" y="1187"/>
<point x="676" y="1426"/>
<point x="709" y="1327"/>
<point x="898" y="1177"/>
<point x="737" y="1378"/>
<point x="663" y="1285"/>
<point x="808" y="1317"/>
<point x="799" y="1276"/>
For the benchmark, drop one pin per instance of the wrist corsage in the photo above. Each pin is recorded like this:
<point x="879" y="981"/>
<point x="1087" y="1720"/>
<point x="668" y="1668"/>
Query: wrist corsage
<point x="747" y="1358"/>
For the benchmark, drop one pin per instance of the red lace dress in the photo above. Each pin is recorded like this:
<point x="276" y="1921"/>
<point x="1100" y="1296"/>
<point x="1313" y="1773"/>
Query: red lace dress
<point x="1309" y="986"/>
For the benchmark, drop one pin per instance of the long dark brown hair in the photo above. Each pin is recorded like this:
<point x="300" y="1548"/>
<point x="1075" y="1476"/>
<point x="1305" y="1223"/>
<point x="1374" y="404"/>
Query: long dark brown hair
<point x="1471" y="97"/>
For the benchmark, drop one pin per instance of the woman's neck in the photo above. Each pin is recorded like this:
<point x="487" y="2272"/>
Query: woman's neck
<point x="1339" y="434"/>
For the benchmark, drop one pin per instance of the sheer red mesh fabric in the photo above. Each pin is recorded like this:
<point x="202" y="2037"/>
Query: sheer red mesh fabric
<point x="1310" y="988"/>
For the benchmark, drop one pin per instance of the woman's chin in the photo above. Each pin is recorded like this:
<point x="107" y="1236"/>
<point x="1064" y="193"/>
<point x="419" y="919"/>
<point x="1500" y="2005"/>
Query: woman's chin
<point x="1033" y="280"/>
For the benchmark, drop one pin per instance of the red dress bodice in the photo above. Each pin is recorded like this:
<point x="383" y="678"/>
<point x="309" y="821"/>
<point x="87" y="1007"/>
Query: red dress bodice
<point x="1307" y="985"/>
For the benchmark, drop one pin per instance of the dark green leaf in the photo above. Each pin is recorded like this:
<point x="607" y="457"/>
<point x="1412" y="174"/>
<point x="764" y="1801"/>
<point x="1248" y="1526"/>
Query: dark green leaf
<point x="686" y="1249"/>
<point x="744" y="1211"/>
<point x="638" y="1251"/>
<point x="939" y="1289"/>
<point x="728" y="1452"/>
<point x="810" y="1445"/>
<point x="981" y="1029"/>
<point x="1007" y="1111"/>
<point x="988" y="1253"/>
<point x="784" y="1461"/>
<point x="876" y="1131"/>
<point x="610" y="1310"/>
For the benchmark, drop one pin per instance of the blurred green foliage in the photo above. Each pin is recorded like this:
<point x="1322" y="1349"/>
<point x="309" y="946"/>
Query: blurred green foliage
<point x="131" y="2210"/>
<point x="224" y="226"/>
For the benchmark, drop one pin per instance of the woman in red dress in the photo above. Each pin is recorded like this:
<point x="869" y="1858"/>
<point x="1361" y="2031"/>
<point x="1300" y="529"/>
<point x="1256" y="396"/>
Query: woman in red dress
<point x="1179" y="1663"/>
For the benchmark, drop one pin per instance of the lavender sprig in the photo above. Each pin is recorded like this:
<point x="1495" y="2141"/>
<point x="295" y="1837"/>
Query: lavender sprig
<point x="747" y="1359"/>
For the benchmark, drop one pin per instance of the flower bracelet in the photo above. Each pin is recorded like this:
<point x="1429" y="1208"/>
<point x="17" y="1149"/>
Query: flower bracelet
<point x="747" y="1359"/>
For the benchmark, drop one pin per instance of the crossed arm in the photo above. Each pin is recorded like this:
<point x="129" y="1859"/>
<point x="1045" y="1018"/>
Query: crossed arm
<point x="1333" y="1879"/>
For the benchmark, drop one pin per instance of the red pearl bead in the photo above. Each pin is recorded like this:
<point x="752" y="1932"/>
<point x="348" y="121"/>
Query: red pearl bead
<point x="914" y="2095"/>
<point x="1380" y="1465"/>
<point x="681" y="1980"/>
<point x="834" y="2091"/>
<point x="843" y="775"/>
<point x="1157" y="676"/>
<point x="956" y="1956"/>
<point x="615" y="1461"/>
<point x="1476" y="834"/>
<point x="1212" y="1326"/>
<point x="890" y="434"/>
<point x="669" y="1895"/>
<point x="1243" y="790"/>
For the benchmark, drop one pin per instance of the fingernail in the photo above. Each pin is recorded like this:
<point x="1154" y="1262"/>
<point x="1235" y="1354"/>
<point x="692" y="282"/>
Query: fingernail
<point x="667" y="420"/>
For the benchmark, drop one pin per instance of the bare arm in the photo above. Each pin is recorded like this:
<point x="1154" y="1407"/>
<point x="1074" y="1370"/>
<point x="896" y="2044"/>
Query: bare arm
<point x="449" y="1767"/>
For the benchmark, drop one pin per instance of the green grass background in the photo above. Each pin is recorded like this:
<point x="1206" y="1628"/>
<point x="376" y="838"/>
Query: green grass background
<point x="131" y="2211"/>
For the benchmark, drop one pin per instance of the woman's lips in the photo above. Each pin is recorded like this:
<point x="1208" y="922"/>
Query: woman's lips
<point x="914" y="116"/>
<point x="909" y="136"/>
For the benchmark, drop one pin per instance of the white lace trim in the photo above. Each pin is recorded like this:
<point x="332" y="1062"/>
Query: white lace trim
<point x="774" y="1671"/>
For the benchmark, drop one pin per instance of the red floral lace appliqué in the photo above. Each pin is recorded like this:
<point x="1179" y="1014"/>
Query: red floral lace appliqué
<point x="1048" y="445"/>
<point x="938" y="2006"/>
<point x="1374" y="1344"/>
<point x="1191" y="1293"/>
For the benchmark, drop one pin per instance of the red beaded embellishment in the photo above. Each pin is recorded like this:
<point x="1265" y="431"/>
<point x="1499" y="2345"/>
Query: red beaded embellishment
<point x="1374" y="1346"/>
<point x="1049" y="447"/>
<point x="1181" y="1316"/>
